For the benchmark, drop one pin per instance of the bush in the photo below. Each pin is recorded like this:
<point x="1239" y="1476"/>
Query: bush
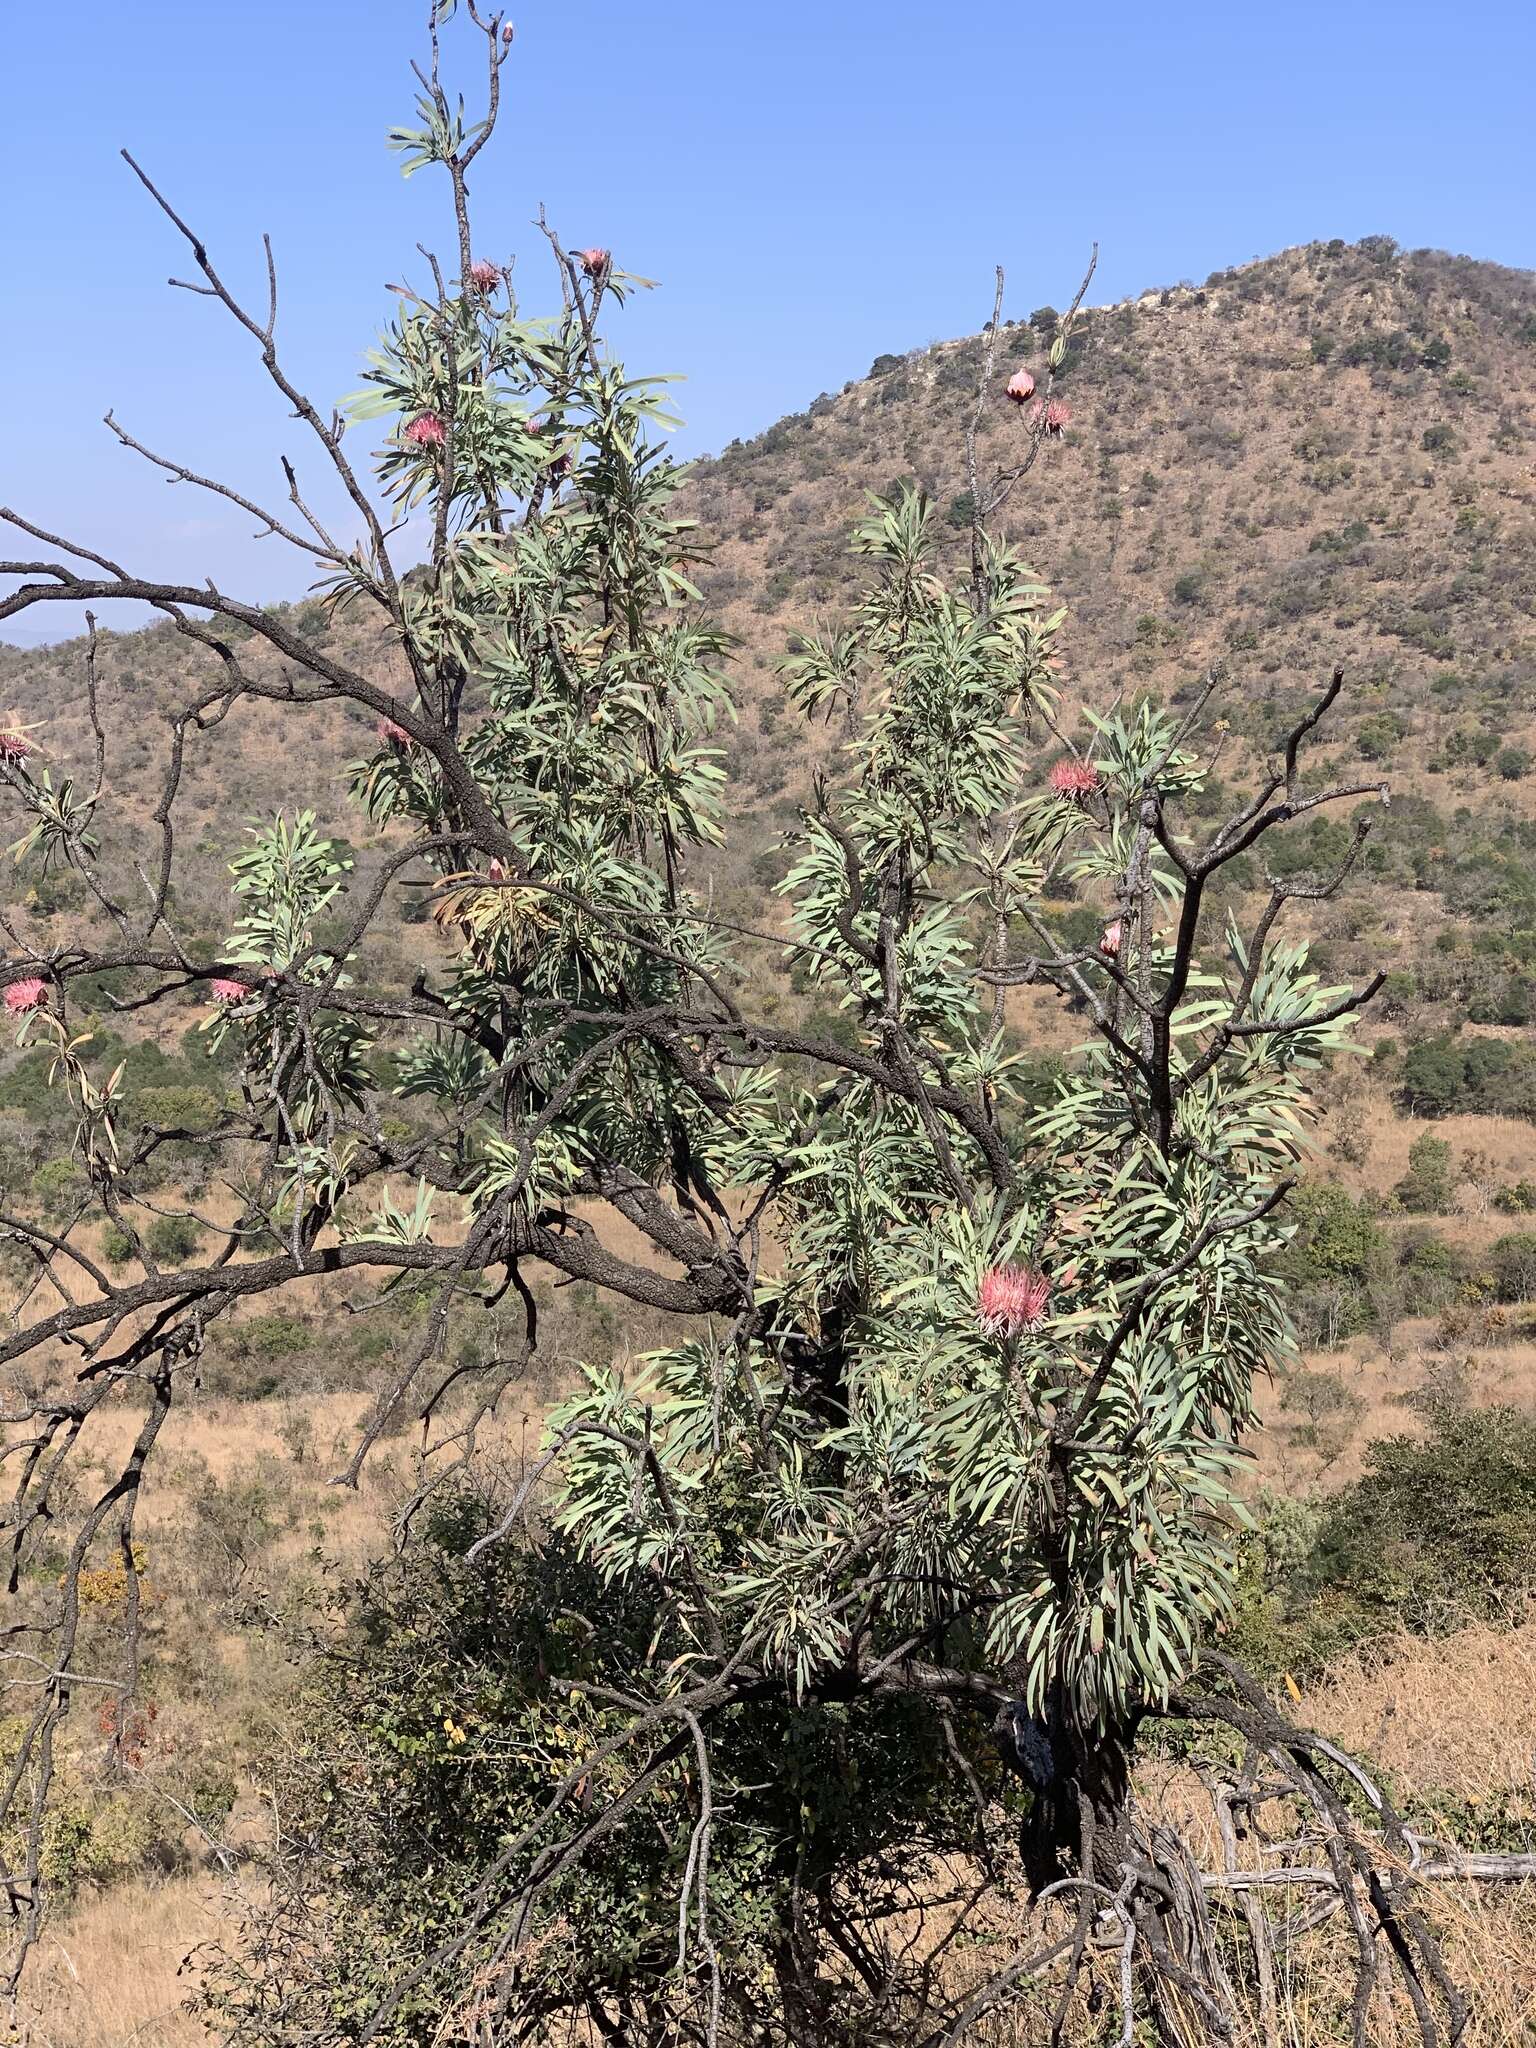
<point x="1433" y="1267"/>
<point x="1512" y="1262"/>
<point x="1378" y="735"/>
<point x="453" y="1679"/>
<point x="57" y="1187"/>
<point x="116" y="1246"/>
<point x="1434" y="1528"/>
<point x="1434" y="1076"/>
<point x="1428" y="1187"/>
<point x="1334" y="1260"/>
<point x="173" y="1239"/>
<point x="1438" y="1525"/>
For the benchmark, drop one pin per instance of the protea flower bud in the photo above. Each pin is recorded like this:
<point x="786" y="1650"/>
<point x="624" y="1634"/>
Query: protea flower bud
<point x="393" y="735"/>
<point x="1020" y="387"/>
<point x="1109" y="943"/>
<point x="506" y="36"/>
<point x="594" y="262"/>
<point x="1074" y="779"/>
<point x="1011" y="1299"/>
<point x="426" y="431"/>
<point x="484" y="277"/>
<point x="27" y="994"/>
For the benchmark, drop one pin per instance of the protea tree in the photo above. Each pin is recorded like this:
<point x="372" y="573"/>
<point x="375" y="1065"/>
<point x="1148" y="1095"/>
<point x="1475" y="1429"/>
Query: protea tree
<point x="792" y="1629"/>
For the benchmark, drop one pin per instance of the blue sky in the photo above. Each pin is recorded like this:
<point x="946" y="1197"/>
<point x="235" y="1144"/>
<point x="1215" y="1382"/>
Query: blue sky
<point x="814" y="182"/>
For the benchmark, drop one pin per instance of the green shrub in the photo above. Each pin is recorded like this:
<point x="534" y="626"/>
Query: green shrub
<point x="173" y="1239"/>
<point x="1512" y="1262"/>
<point x="1436" y="1528"/>
<point x="57" y="1187"/>
<point x="1438" y="1525"/>
<point x="116" y="1246"/>
<point x="1428" y="1187"/>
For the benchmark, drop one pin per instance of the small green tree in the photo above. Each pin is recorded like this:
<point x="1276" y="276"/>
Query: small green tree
<point x="1428" y="1188"/>
<point x="927" y="1505"/>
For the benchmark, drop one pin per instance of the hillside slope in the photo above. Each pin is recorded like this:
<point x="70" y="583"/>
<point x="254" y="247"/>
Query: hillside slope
<point x="1328" y="455"/>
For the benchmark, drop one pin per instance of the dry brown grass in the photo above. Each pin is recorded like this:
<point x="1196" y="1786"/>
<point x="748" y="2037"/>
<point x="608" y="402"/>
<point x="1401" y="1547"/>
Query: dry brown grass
<point x="1454" y="1714"/>
<point x="1445" y="1720"/>
<point x="109" y="1974"/>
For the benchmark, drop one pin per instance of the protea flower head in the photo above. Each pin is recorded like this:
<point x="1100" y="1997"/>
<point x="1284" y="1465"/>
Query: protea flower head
<point x="1020" y="387"/>
<point x="393" y="735"/>
<point x="1056" y="415"/>
<point x="27" y="994"/>
<point x="484" y="277"/>
<point x="15" y="748"/>
<point x="1109" y="943"/>
<point x="594" y="262"/>
<point x="1011" y="1299"/>
<point x="224" y="990"/>
<point x="1073" y="778"/>
<point x="506" y="36"/>
<point x="426" y="431"/>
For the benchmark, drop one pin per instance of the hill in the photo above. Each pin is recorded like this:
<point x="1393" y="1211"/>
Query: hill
<point x="1328" y="455"/>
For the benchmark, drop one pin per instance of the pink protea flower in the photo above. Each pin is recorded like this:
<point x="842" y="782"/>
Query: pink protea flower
<point x="15" y="748"/>
<point x="1011" y="1299"/>
<point x="1057" y="415"/>
<point x="224" y="990"/>
<point x="27" y="994"/>
<point x="594" y="262"/>
<point x="484" y="277"/>
<point x="426" y="431"/>
<point x="1109" y="943"/>
<point x="506" y="36"/>
<point x="1020" y="387"/>
<point x="1073" y="778"/>
<point x="393" y="735"/>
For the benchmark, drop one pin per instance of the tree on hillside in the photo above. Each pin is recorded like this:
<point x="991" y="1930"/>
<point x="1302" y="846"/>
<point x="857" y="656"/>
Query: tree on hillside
<point x="841" y="1617"/>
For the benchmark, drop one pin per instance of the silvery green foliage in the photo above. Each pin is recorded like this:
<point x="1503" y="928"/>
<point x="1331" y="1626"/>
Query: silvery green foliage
<point x="852" y="1463"/>
<point x="1099" y="1570"/>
